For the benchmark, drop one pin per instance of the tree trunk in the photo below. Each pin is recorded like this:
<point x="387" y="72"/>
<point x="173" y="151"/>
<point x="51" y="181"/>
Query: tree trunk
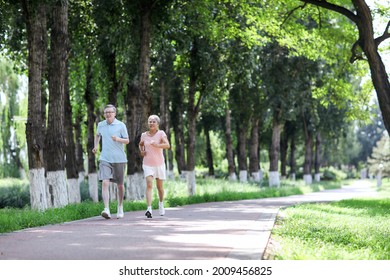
<point x="135" y="182"/>
<point x="178" y="128"/>
<point x="54" y="142"/>
<point x="369" y="46"/>
<point x="274" y="177"/>
<point x="144" y="100"/>
<point x="254" y="162"/>
<point x="191" y="139"/>
<point x="192" y="110"/>
<point x="317" y="161"/>
<point x="307" y="177"/>
<point x="70" y="149"/>
<point x="242" y="154"/>
<point x="93" y="187"/>
<point x="90" y="97"/>
<point x="229" y="146"/>
<point x="132" y="149"/>
<point x="166" y="125"/>
<point x="112" y="99"/>
<point x="283" y="154"/>
<point x="79" y="147"/>
<point x="36" y="34"/>
<point x="136" y="186"/>
<point x="292" y="159"/>
<point x="191" y="182"/>
<point x="114" y="84"/>
<point x="139" y="101"/>
<point x="209" y="152"/>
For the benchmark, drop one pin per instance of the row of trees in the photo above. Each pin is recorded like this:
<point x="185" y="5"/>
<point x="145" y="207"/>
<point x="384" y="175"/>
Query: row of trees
<point x="234" y="67"/>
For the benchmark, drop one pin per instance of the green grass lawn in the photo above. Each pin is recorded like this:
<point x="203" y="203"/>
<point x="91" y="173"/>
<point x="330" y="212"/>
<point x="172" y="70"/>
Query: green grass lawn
<point x="208" y="190"/>
<point x="353" y="229"/>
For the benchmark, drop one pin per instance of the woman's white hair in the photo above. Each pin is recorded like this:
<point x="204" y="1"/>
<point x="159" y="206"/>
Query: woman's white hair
<point x="155" y="117"/>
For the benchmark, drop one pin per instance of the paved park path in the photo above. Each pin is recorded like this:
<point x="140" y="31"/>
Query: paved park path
<point x="235" y="230"/>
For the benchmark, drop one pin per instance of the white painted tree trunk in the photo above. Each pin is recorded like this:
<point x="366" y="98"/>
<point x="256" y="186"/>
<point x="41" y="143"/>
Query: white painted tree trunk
<point x="363" y="174"/>
<point x="274" y="179"/>
<point x="140" y="183"/>
<point x="81" y="178"/>
<point x="293" y="176"/>
<point x="191" y="182"/>
<point x="170" y="174"/>
<point x="135" y="186"/>
<point x="255" y="177"/>
<point x="243" y="176"/>
<point x="379" y="179"/>
<point x="317" y="177"/>
<point x="38" y="198"/>
<point x="113" y="191"/>
<point x="131" y="189"/>
<point x="183" y="175"/>
<point x="233" y="176"/>
<point x="56" y="188"/>
<point x="93" y="187"/>
<point x="74" y="191"/>
<point x="22" y="173"/>
<point x="308" y="179"/>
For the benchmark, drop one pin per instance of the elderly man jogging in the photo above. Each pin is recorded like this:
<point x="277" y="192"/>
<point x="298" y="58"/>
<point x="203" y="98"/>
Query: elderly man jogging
<point x="112" y="158"/>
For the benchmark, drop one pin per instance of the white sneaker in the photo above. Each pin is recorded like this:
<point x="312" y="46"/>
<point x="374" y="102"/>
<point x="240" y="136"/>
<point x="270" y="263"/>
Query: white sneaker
<point x="120" y="214"/>
<point x="161" y="209"/>
<point x="106" y="213"/>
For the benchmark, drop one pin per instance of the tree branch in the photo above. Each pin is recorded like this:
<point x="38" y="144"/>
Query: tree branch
<point x="292" y="11"/>
<point x="319" y="17"/>
<point x="333" y="7"/>
<point x="385" y="35"/>
<point x="355" y="55"/>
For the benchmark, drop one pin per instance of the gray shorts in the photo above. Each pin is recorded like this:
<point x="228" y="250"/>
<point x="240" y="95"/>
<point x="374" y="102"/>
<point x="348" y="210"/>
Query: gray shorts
<point x="115" y="172"/>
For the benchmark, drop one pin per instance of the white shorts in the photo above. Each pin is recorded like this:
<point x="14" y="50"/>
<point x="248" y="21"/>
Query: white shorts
<point x="157" y="172"/>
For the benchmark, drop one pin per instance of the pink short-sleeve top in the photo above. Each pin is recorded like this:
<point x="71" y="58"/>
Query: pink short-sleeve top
<point x="154" y="156"/>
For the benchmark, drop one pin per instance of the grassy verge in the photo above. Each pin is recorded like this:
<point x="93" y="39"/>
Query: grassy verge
<point x="12" y="219"/>
<point x="209" y="190"/>
<point x="353" y="229"/>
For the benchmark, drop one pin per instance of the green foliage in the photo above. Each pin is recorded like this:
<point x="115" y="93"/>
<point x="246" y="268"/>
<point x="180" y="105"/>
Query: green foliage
<point x="380" y="157"/>
<point x="332" y="174"/>
<point x="217" y="147"/>
<point x="370" y="133"/>
<point x="234" y="52"/>
<point x="12" y="115"/>
<point x="14" y="193"/>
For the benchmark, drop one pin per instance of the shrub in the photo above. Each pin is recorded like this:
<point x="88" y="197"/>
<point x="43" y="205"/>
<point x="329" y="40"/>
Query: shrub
<point x="332" y="174"/>
<point x="14" y="193"/>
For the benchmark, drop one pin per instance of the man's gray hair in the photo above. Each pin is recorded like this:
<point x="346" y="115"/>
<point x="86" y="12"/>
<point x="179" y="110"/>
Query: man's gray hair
<point x="110" y="106"/>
